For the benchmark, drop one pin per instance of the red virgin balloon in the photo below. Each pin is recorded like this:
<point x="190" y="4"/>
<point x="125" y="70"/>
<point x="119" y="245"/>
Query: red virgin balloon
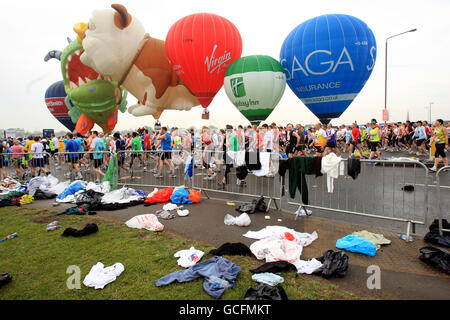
<point x="200" y="47"/>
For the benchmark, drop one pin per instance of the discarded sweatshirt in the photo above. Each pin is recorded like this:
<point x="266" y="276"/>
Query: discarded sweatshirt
<point x="265" y="292"/>
<point x="334" y="263"/>
<point x="268" y="278"/>
<point x="376" y="238"/>
<point x="4" y="279"/>
<point x="99" y="276"/>
<point x="436" y="257"/>
<point x="218" y="267"/>
<point x="356" y="244"/>
<point x="90" y="228"/>
<point x="353" y="167"/>
<point x="187" y="258"/>
<point x="274" y="267"/>
<point x="145" y="221"/>
<point x="232" y="249"/>
<point x="332" y="166"/>
<point x="298" y="167"/>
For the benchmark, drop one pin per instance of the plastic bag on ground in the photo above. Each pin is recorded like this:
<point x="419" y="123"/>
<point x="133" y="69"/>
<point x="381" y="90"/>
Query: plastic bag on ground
<point x="71" y="190"/>
<point x="160" y="196"/>
<point x="436" y="257"/>
<point x="194" y="196"/>
<point x="356" y="244"/>
<point x="99" y="276"/>
<point x="275" y="249"/>
<point x="334" y="263"/>
<point x="103" y="187"/>
<point x="145" y="221"/>
<point x="242" y="221"/>
<point x="169" y="206"/>
<point x="268" y="278"/>
<point x="180" y="196"/>
<point x="302" y="238"/>
<point x="123" y="195"/>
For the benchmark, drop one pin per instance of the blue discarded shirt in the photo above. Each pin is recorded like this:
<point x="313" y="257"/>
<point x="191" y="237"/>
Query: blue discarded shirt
<point x="356" y="244"/>
<point x="217" y="266"/>
<point x="72" y="189"/>
<point x="180" y="196"/>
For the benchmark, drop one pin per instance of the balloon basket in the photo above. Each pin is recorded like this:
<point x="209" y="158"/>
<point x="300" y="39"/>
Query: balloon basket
<point x="205" y="116"/>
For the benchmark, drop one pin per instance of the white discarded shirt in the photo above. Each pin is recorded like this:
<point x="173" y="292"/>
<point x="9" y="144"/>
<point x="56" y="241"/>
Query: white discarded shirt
<point x="332" y="166"/>
<point x="307" y="267"/>
<point x="99" y="276"/>
<point x="187" y="258"/>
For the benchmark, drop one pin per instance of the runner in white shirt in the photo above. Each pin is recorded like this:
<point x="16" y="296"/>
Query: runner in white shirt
<point x="38" y="158"/>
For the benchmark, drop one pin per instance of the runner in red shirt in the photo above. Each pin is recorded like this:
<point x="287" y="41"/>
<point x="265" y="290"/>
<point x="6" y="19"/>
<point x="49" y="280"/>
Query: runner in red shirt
<point x="355" y="141"/>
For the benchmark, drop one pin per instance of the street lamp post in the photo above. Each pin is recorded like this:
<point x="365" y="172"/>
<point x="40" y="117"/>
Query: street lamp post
<point x="430" y="111"/>
<point x="385" y="69"/>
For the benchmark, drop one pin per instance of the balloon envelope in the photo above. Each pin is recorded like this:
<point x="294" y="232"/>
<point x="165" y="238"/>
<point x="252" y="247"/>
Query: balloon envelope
<point x="54" y="99"/>
<point x="327" y="60"/>
<point x="200" y="47"/>
<point x="255" y="85"/>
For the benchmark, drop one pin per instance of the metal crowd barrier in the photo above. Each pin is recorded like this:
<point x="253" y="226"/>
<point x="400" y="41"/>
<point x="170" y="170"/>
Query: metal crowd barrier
<point x="10" y="160"/>
<point x="86" y="162"/>
<point x="210" y="168"/>
<point x="377" y="192"/>
<point x="443" y="213"/>
<point x="145" y="166"/>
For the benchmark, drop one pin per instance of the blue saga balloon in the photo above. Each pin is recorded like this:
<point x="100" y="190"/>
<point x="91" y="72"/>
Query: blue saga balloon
<point x="327" y="61"/>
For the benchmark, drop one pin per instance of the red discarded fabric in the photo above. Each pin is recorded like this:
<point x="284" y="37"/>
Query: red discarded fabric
<point x="289" y="236"/>
<point x="194" y="196"/>
<point x="160" y="196"/>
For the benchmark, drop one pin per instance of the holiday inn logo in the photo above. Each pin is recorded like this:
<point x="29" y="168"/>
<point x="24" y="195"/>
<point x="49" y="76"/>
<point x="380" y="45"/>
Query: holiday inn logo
<point x="237" y="85"/>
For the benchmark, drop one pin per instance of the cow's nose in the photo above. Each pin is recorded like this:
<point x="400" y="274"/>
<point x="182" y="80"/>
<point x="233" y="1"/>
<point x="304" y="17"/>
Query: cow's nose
<point x="80" y="28"/>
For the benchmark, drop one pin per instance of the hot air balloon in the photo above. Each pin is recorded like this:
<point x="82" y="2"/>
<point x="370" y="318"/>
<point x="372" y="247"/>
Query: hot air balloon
<point x="255" y="85"/>
<point x="55" y="97"/>
<point x="327" y="61"/>
<point x="200" y="47"/>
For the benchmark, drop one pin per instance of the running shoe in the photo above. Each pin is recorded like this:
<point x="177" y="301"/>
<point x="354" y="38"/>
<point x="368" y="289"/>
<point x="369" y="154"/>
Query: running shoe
<point x="153" y="171"/>
<point x="172" y="175"/>
<point x="434" y="169"/>
<point x="211" y="177"/>
<point x="158" y="176"/>
<point x="79" y="176"/>
<point x="145" y="169"/>
<point x="68" y="174"/>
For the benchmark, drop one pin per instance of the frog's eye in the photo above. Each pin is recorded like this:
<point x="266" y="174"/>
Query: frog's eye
<point x="91" y="25"/>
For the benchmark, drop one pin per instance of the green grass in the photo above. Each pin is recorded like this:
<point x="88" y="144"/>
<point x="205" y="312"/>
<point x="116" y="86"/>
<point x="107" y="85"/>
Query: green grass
<point x="37" y="261"/>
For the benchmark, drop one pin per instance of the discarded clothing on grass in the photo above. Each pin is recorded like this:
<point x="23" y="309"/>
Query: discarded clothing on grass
<point x="70" y="190"/>
<point x="265" y="292"/>
<point x="26" y="199"/>
<point x="242" y="221"/>
<point x="44" y="195"/>
<point x="90" y="228"/>
<point x="145" y="221"/>
<point x="43" y="183"/>
<point x="376" y="238"/>
<point x="356" y="244"/>
<point x="274" y="267"/>
<point x="9" y="202"/>
<point x="276" y="249"/>
<point x="218" y="267"/>
<point x="170" y="206"/>
<point x="164" y="214"/>
<point x="5" y="278"/>
<point x="187" y="258"/>
<point x="332" y="166"/>
<point x="123" y="195"/>
<point x="180" y="196"/>
<point x="257" y="205"/>
<point x="353" y="167"/>
<point x="80" y="211"/>
<point x="14" y="194"/>
<point x="103" y="187"/>
<point x="268" y="278"/>
<point x="434" y="236"/>
<point x="99" y="276"/>
<point x="436" y="257"/>
<point x="303" y="239"/>
<point x="160" y="196"/>
<point x="232" y="249"/>
<point x="8" y="184"/>
<point x="334" y="263"/>
<point x="308" y="266"/>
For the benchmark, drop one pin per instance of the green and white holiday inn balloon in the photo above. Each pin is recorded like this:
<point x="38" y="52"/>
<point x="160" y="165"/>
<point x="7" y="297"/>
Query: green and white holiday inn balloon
<point x="255" y="85"/>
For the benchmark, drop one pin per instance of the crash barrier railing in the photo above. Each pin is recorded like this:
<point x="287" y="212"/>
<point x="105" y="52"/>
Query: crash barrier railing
<point x="210" y="167"/>
<point x="384" y="189"/>
<point x="20" y="166"/>
<point x="443" y="212"/>
<point x="143" y="168"/>
<point x="91" y="165"/>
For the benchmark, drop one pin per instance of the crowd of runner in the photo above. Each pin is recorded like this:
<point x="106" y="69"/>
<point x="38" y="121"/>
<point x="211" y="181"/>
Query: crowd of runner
<point x="31" y="156"/>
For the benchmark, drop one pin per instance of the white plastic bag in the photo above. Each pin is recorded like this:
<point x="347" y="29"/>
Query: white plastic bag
<point x="242" y="221"/>
<point x="145" y="221"/>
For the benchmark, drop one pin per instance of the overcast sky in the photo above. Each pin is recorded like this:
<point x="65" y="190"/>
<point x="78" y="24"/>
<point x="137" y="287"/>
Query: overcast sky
<point x="418" y="68"/>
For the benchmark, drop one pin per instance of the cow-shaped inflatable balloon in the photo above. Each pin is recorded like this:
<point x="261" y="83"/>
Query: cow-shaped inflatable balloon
<point x="115" y="45"/>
